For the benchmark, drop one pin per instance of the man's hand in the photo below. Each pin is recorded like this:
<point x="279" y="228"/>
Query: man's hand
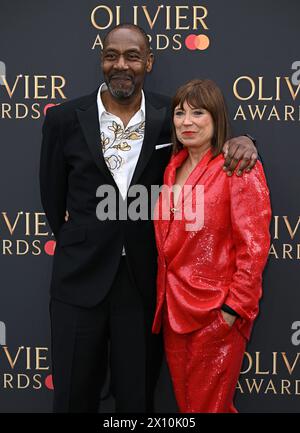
<point x="229" y="318"/>
<point x="239" y="152"/>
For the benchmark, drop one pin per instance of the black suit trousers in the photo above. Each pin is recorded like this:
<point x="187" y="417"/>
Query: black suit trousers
<point x="116" y="334"/>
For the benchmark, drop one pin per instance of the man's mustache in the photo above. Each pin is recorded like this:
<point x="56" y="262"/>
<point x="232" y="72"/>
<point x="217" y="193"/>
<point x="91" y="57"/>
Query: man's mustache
<point x="122" y="76"/>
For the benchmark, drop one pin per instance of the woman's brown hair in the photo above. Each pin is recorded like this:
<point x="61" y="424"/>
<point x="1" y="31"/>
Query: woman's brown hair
<point x="204" y="94"/>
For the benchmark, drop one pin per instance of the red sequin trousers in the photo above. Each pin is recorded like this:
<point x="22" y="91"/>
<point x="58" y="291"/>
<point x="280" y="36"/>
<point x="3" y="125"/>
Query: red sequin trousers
<point x="205" y="365"/>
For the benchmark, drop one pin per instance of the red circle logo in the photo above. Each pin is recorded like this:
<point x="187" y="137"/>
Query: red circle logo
<point x="49" y="382"/>
<point x="49" y="247"/>
<point x="48" y="106"/>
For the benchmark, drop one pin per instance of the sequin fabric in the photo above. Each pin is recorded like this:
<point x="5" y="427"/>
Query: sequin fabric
<point x="205" y="365"/>
<point x="199" y="270"/>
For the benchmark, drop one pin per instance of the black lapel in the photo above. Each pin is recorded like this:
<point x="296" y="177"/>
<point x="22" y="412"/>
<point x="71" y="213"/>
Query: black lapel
<point x="155" y="118"/>
<point x="89" y="122"/>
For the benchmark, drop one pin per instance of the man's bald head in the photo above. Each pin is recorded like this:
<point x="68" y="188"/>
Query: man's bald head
<point x="132" y="27"/>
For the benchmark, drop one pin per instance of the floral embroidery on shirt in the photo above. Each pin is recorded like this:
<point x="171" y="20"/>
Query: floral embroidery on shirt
<point x="119" y="142"/>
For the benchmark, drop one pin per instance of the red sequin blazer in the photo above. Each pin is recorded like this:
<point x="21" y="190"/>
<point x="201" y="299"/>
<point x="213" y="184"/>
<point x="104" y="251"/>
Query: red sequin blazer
<point x="219" y="259"/>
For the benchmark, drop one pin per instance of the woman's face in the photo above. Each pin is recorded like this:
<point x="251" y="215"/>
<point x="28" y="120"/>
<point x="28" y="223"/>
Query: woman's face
<point x="194" y="126"/>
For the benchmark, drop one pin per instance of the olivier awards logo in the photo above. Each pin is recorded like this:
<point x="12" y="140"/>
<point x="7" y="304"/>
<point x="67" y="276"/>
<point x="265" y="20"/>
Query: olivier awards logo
<point x="26" y="96"/>
<point x="274" y="373"/>
<point x="168" y="26"/>
<point x="285" y="238"/>
<point x="24" y="233"/>
<point x="23" y="368"/>
<point x="268" y="98"/>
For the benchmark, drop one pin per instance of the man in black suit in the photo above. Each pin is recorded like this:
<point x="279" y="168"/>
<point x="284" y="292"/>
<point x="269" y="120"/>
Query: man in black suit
<point x="104" y="271"/>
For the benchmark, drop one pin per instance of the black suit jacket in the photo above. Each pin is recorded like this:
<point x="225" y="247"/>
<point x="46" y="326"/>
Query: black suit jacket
<point x="72" y="167"/>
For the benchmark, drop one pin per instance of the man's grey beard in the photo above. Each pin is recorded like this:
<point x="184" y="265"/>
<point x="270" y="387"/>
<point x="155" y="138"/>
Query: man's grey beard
<point x="121" y="93"/>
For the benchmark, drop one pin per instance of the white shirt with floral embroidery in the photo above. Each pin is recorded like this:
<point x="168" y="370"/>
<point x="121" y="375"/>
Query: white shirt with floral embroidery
<point x="121" y="146"/>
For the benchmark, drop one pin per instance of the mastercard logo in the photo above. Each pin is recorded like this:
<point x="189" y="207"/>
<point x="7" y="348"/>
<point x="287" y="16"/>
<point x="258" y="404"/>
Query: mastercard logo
<point x="48" y="106"/>
<point x="49" y="382"/>
<point x="49" y="247"/>
<point x="197" y="42"/>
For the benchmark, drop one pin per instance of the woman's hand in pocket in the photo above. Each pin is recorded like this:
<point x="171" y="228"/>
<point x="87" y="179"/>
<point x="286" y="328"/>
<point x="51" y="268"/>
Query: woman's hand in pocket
<point x="229" y="318"/>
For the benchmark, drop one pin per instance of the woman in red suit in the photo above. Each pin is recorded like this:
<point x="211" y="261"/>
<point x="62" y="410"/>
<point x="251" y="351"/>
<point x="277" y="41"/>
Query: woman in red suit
<point x="212" y="234"/>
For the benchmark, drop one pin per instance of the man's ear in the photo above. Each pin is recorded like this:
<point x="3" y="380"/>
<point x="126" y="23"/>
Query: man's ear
<point x="150" y="61"/>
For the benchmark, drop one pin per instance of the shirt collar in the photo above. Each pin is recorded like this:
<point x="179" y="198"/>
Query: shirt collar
<point x="101" y="108"/>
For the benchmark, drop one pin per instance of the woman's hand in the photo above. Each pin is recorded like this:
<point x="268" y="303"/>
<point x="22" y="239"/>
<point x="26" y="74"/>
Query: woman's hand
<point x="229" y="318"/>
